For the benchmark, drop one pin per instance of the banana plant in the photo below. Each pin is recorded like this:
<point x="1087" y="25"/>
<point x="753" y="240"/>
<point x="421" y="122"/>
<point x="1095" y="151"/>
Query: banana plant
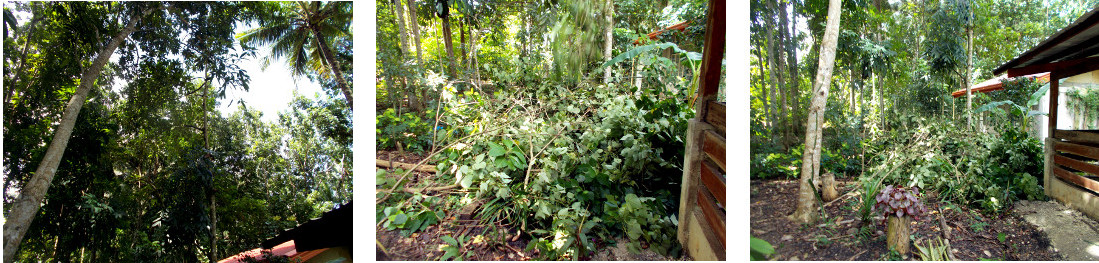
<point x="1023" y="112"/>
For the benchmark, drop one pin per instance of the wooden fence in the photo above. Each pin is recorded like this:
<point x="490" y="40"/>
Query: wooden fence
<point x="1072" y="169"/>
<point x="702" y="196"/>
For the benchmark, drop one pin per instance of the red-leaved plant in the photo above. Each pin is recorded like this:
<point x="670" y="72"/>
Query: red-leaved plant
<point x="900" y="202"/>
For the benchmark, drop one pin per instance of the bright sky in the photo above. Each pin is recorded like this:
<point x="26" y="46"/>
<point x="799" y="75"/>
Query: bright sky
<point x="270" y="90"/>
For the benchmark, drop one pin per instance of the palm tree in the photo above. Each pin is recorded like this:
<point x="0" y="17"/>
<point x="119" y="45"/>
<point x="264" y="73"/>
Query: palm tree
<point x="301" y="32"/>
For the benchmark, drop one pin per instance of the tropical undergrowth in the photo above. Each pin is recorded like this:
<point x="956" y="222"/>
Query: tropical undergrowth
<point x="989" y="171"/>
<point x="573" y="167"/>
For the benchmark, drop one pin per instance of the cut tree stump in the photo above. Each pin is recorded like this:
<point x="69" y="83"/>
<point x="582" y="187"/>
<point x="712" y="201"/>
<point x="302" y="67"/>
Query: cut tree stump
<point x="829" y="188"/>
<point x="427" y="168"/>
<point x="897" y="231"/>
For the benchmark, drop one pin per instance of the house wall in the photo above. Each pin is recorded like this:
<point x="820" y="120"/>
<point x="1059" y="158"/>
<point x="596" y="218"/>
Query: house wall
<point x="1065" y="115"/>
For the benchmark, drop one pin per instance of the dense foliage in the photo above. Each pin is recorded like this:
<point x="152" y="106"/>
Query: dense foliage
<point x="890" y="119"/>
<point x="151" y="163"/>
<point x="528" y="126"/>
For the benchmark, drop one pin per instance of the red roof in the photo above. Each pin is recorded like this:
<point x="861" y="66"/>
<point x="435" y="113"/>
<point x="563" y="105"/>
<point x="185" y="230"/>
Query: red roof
<point x="655" y="34"/>
<point x="287" y="249"/>
<point x="997" y="84"/>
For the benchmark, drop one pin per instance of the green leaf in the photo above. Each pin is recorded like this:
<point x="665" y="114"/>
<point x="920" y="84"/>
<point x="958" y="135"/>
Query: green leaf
<point x="450" y="253"/>
<point x="633" y="229"/>
<point x="642" y="49"/>
<point x="1037" y="95"/>
<point x="994" y="106"/>
<point x="400" y="219"/>
<point x="416" y="223"/>
<point x="761" y="247"/>
<point x="450" y="240"/>
<point x="495" y="149"/>
<point x="467" y="181"/>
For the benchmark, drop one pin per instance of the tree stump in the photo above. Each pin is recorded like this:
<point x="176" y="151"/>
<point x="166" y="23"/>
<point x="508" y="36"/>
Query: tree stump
<point x="896" y="233"/>
<point x="828" y="189"/>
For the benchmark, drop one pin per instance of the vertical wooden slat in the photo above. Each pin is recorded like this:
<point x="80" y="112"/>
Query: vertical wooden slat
<point x="1054" y="91"/>
<point x="690" y="182"/>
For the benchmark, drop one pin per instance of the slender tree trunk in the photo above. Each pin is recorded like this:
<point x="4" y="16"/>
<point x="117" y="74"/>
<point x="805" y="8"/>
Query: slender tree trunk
<point x="475" y="46"/>
<point x="206" y="144"/>
<point x="608" y="39"/>
<point x="30" y="196"/>
<point x="968" y="71"/>
<point x="414" y="22"/>
<point x="776" y="84"/>
<point x="789" y="39"/>
<point x="763" y="88"/>
<point x="330" y="61"/>
<point x="401" y="35"/>
<point x="463" y="47"/>
<point x="449" y="46"/>
<point x="808" y="203"/>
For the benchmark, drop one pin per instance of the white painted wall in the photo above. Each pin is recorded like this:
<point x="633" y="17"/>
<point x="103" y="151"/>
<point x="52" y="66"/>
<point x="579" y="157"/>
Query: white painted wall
<point x="1064" y="115"/>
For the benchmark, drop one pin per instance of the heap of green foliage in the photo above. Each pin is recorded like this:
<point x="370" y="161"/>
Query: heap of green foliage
<point x="570" y="165"/>
<point x="988" y="171"/>
<point x="578" y="163"/>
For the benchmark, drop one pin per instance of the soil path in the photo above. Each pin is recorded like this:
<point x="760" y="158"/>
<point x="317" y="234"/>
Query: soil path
<point x="1071" y="233"/>
<point x="842" y="236"/>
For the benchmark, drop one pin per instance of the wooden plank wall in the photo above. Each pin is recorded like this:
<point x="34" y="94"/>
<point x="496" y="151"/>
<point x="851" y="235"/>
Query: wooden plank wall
<point x="702" y="198"/>
<point x="1076" y="158"/>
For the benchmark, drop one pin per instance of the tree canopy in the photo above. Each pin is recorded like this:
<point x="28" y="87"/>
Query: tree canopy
<point x="152" y="170"/>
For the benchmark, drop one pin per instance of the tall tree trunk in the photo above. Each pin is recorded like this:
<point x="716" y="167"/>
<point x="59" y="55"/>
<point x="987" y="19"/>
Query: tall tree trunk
<point x="776" y="84"/>
<point x="807" y="194"/>
<point x="401" y="35"/>
<point x="213" y="256"/>
<point x="608" y="40"/>
<point x="463" y="47"/>
<point x="330" y="61"/>
<point x="30" y="196"/>
<point x="449" y="46"/>
<point x="789" y="39"/>
<point x="968" y="69"/>
<point x="414" y="22"/>
<point x="474" y="45"/>
<point x="763" y="89"/>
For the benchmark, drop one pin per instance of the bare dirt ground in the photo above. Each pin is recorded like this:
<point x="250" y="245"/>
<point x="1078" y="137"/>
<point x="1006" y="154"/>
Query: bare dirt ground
<point x="973" y="236"/>
<point x="1071" y="233"/>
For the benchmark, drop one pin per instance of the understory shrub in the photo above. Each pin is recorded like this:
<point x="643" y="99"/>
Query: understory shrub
<point x="407" y="128"/>
<point x="576" y="164"/>
<point x="988" y="171"/>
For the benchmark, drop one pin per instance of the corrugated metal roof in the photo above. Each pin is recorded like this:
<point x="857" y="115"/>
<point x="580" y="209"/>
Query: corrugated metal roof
<point x="996" y="83"/>
<point x="287" y="249"/>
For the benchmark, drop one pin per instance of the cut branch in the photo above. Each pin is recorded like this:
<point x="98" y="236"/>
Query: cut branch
<point x="407" y="166"/>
